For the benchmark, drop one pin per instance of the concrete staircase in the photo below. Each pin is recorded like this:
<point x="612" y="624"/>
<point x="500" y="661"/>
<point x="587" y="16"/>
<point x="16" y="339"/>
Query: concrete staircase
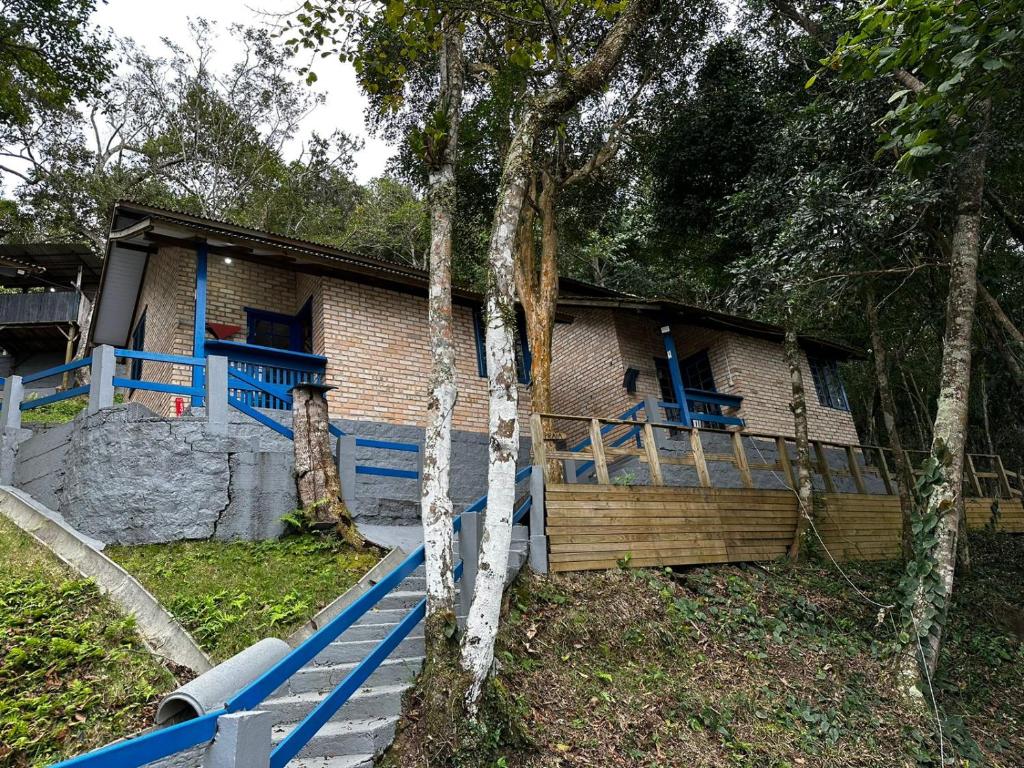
<point x="365" y="726"/>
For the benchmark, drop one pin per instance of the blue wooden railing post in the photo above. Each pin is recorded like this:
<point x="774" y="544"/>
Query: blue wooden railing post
<point x="10" y="416"/>
<point x="538" y="536"/>
<point x="469" y="550"/>
<point x="101" y="378"/>
<point x="243" y="741"/>
<point x="676" y="374"/>
<point x="217" y="394"/>
<point x="199" y="322"/>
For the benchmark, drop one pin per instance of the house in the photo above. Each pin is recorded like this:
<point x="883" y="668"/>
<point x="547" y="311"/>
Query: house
<point x="287" y="310"/>
<point x="47" y="289"/>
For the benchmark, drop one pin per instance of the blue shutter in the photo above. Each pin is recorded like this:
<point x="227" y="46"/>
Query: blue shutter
<point x="478" y="334"/>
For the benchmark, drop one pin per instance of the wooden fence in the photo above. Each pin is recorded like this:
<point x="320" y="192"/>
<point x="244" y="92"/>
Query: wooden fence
<point x="711" y="496"/>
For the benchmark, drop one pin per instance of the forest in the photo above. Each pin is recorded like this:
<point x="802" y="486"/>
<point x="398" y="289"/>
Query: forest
<point x="850" y="170"/>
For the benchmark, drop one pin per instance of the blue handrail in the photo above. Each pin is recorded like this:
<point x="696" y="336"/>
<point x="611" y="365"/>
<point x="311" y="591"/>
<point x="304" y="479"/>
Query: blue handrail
<point x="73" y="365"/>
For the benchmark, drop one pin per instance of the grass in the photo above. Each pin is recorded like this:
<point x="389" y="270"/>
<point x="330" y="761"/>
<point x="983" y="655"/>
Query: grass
<point x="775" y="667"/>
<point x="231" y="594"/>
<point x="60" y="412"/>
<point x="73" y="672"/>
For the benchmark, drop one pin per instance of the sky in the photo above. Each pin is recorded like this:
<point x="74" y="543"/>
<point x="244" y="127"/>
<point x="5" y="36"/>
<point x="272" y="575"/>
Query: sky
<point x="146" y="22"/>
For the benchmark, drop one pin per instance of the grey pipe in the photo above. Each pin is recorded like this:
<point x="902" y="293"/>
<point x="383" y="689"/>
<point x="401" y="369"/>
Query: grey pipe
<point x="210" y="690"/>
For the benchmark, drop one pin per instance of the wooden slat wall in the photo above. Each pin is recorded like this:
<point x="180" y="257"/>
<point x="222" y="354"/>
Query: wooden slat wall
<point x="864" y="527"/>
<point x="595" y="526"/>
<point x="855" y="526"/>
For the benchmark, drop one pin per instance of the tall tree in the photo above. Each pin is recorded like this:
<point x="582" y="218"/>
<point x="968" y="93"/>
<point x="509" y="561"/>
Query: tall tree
<point x="951" y="60"/>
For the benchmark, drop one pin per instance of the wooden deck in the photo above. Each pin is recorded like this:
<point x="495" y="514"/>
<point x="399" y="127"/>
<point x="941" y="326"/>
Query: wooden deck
<point x="595" y="526"/>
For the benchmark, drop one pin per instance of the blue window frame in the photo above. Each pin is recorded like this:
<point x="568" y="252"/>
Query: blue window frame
<point x="828" y="384"/>
<point x="280" y="331"/>
<point x="138" y="343"/>
<point x="524" y="358"/>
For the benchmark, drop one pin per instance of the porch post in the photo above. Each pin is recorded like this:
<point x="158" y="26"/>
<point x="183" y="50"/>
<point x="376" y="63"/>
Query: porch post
<point x="676" y="374"/>
<point x="199" y="321"/>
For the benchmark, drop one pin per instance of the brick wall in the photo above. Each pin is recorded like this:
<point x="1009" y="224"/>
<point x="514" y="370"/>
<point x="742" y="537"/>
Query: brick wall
<point x="166" y="297"/>
<point x="378" y="354"/>
<point x="230" y="288"/>
<point x="590" y="362"/>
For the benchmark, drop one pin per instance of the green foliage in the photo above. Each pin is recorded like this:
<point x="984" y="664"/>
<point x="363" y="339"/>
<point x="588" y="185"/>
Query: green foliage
<point x="966" y="53"/>
<point x="60" y="412"/>
<point x="73" y="672"/>
<point x="232" y="594"/>
<point x="50" y="55"/>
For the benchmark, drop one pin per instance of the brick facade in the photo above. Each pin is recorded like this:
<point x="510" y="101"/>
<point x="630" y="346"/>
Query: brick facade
<point x="375" y="339"/>
<point x="590" y="363"/>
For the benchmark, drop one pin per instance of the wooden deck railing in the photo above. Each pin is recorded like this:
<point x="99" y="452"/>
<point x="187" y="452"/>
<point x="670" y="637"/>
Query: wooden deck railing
<point x="611" y="440"/>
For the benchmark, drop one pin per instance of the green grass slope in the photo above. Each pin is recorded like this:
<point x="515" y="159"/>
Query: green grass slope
<point x="73" y="672"/>
<point x="231" y="594"/>
<point x="781" y="666"/>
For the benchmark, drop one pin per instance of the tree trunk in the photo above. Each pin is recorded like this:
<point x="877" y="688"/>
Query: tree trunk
<point x="436" y="504"/>
<point x="316" y="473"/>
<point x="933" y="589"/>
<point x="913" y="399"/>
<point x="985" y="422"/>
<point x="538" y="293"/>
<point x="804" y="488"/>
<point x="1013" y="363"/>
<point x="904" y="474"/>
<point x="503" y="427"/>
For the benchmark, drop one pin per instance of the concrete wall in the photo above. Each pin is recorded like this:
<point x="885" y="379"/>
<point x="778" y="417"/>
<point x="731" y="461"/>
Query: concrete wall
<point x="127" y="476"/>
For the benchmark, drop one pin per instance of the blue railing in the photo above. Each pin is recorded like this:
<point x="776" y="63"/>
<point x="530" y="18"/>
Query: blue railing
<point x="705" y="407"/>
<point x="281" y="393"/>
<point x="156" y="745"/>
<point x="159" y="386"/>
<point x="56" y="397"/>
<point x="278" y="369"/>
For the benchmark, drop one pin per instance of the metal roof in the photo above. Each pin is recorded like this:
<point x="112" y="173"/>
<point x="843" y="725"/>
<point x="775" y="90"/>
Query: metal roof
<point x="33" y="265"/>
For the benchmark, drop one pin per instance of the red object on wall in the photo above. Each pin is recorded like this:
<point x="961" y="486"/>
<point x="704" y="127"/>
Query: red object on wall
<point x="179" y="406"/>
<point x="222" y="331"/>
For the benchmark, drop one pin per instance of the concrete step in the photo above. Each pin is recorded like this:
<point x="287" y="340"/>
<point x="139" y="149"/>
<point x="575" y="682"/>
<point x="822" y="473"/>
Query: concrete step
<point x="399" y="600"/>
<point x="376" y="701"/>
<point x="364" y="736"/>
<point x="348" y="761"/>
<point x="325" y="677"/>
<point x="346" y="651"/>
<point x="376" y="632"/>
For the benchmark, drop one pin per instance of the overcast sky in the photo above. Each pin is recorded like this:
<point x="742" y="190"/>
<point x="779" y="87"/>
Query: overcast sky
<point x="147" y="22"/>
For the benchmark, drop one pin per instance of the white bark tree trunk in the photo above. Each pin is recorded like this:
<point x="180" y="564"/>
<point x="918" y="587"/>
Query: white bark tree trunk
<point x="436" y="504"/>
<point x="503" y="453"/>
<point x="804" y="487"/>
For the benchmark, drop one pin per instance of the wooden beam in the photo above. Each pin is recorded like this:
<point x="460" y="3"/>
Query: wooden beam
<point x="785" y="463"/>
<point x="1004" y="481"/>
<point x="653" y="461"/>
<point x="741" y="460"/>
<point x="883" y="470"/>
<point x="858" y="478"/>
<point x="537" y="441"/>
<point x="972" y="477"/>
<point x="698" y="456"/>
<point x="823" y="468"/>
<point x="597" y="447"/>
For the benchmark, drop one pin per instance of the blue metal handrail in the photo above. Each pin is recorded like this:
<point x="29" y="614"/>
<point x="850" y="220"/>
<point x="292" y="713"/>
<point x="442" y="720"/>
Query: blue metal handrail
<point x="72" y="366"/>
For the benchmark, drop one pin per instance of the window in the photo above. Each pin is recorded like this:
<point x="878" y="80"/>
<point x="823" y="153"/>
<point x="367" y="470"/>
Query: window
<point x="272" y="329"/>
<point x="522" y="347"/>
<point x="827" y="383"/>
<point x="697" y="374"/>
<point x="138" y="343"/>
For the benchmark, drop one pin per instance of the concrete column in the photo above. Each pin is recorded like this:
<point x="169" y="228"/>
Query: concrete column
<point x="242" y="741"/>
<point x="346" y="458"/>
<point x="569" y="465"/>
<point x="217" y="395"/>
<point x="469" y="551"/>
<point x="538" y="537"/>
<point x="14" y="393"/>
<point x="101" y="380"/>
